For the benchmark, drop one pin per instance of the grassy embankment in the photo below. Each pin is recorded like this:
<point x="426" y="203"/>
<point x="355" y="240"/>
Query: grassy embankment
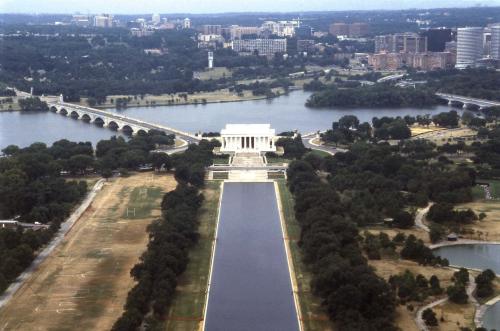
<point x="313" y="315"/>
<point x="186" y="312"/>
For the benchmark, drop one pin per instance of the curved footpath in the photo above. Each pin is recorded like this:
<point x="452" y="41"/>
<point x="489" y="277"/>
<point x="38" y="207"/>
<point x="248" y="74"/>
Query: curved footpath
<point x="65" y="228"/>
<point x="308" y="141"/>
<point x="480" y="309"/>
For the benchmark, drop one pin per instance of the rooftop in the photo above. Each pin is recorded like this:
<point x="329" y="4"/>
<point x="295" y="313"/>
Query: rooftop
<point x="248" y="129"/>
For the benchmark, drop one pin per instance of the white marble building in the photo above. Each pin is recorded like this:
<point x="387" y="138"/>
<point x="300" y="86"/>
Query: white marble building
<point x="249" y="138"/>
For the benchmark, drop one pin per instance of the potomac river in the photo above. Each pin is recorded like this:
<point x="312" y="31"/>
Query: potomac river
<point x="283" y="113"/>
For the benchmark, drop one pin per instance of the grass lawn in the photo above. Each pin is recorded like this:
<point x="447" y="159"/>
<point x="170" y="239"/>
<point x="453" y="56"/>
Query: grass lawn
<point x="221" y="160"/>
<point x="187" y="308"/>
<point x="313" y="315"/>
<point x="319" y="153"/>
<point x="274" y="160"/>
<point x="495" y="188"/>
<point x="141" y="202"/>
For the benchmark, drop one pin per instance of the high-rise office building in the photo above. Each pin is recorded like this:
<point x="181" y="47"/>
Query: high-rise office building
<point x="353" y="30"/>
<point x="469" y="46"/>
<point x="437" y="38"/>
<point x="264" y="47"/>
<point x="212" y="29"/>
<point x="495" y="41"/>
<point x="303" y="32"/>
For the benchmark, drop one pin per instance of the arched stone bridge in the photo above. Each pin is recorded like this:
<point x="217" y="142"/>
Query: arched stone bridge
<point x="113" y="121"/>
<point x="467" y="102"/>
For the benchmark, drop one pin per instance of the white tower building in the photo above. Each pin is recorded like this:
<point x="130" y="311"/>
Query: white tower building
<point x="156" y="19"/>
<point x="495" y="41"/>
<point x="469" y="46"/>
<point x="210" y="60"/>
<point x="186" y="23"/>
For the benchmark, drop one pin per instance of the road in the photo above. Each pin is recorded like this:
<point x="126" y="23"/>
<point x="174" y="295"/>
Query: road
<point x="65" y="228"/>
<point x="307" y="140"/>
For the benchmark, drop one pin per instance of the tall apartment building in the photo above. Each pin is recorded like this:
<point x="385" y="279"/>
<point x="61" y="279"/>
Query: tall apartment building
<point x="469" y="46"/>
<point x="354" y="30"/>
<point x="495" y="41"/>
<point x="103" y="21"/>
<point x="264" y="47"/>
<point x="401" y="42"/>
<point x="212" y="29"/>
<point x="422" y="61"/>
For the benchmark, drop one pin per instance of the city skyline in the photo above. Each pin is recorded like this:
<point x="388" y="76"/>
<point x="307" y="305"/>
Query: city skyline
<point x="222" y="6"/>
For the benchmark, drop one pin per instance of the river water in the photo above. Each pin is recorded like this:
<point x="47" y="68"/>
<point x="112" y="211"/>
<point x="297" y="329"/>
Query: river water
<point x="283" y="113"/>
<point x="250" y="287"/>
<point x="478" y="256"/>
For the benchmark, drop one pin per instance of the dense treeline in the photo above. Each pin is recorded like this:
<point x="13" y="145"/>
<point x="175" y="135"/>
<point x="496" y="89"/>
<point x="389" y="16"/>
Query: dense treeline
<point x="380" y="95"/>
<point x="111" y="61"/>
<point x="476" y="83"/>
<point x="32" y="190"/>
<point x="363" y="186"/>
<point x="116" y="152"/>
<point x="170" y="239"/>
<point x="33" y="104"/>
<point x="354" y="296"/>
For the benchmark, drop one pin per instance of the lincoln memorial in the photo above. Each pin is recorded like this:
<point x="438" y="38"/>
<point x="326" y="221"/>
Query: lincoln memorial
<point x="248" y="138"/>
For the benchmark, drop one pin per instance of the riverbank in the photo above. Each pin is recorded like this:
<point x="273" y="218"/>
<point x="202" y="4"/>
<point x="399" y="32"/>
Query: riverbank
<point x="178" y="99"/>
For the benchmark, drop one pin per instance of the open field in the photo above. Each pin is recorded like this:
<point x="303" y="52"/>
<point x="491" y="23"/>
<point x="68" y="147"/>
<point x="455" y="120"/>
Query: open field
<point x="385" y="268"/>
<point x="214" y="73"/>
<point x="176" y="99"/>
<point x="85" y="281"/>
<point x="187" y="310"/>
<point x="313" y="315"/>
<point x="441" y="137"/>
<point x="454" y="316"/>
<point x="420" y="129"/>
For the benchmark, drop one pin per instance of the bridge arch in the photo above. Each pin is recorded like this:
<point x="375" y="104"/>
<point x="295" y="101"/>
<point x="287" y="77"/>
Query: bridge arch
<point x="141" y="132"/>
<point x="113" y="125"/>
<point x="99" y="121"/>
<point x="53" y="109"/>
<point x="127" y="129"/>
<point x="74" y="114"/>
<point x="63" y="111"/>
<point x="86" y="118"/>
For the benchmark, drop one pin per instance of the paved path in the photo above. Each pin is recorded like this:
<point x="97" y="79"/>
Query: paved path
<point x="420" y="216"/>
<point x="308" y="139"/>
<point x="471" y="287"/>
<point x="65" y="228"/>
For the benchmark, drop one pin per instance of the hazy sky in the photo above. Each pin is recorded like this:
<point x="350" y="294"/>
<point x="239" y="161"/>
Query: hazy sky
<point x="218" y="6"/>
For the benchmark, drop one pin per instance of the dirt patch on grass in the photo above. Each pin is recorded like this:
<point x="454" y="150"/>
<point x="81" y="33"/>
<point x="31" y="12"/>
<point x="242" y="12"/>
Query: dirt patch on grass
<point x="85" y="281"/>
<point x="489" y="227"/>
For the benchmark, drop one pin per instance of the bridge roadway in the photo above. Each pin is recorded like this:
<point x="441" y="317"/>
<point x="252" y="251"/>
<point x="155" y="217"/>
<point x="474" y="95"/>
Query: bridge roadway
<point x="115" y="120"/>
<point x="467" y="101"/>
